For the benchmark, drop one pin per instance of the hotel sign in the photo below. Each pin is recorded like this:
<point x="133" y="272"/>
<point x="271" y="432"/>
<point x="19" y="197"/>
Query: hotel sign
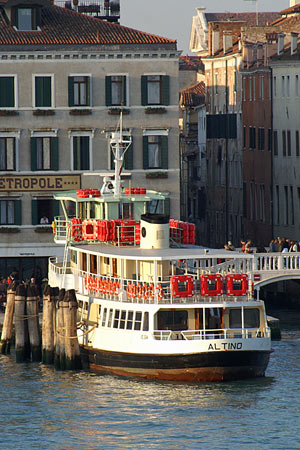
<point x="39" y="183"/>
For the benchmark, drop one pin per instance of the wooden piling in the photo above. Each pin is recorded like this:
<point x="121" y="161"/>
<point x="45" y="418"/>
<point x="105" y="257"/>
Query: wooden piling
<point x="32" y="304"/>
<point x="48" y="324"/>
<point x="73" y="360"/>
<point x="60" y="360"/>
<point x="21" y="330"/>
<point x="8" y="320"/>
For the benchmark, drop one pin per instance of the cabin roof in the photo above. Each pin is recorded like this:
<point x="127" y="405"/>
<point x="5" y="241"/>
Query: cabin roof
<point x="109" y="198"/>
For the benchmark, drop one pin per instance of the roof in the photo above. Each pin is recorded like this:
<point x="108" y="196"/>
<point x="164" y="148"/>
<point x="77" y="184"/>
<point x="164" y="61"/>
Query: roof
<point x="193" y="95"/>
<point x="249" y="18"/>
<point x="191" y="63"/>
<point x="291" y="10"/>
<point x="61" y="26"/>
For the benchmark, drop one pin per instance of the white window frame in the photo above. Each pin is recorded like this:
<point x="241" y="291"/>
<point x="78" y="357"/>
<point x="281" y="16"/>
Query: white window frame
<point x="90" y="87"/>
<point x="16" y="135"/>
<point x="119" y="74"/>
<point x="52" y="76"/>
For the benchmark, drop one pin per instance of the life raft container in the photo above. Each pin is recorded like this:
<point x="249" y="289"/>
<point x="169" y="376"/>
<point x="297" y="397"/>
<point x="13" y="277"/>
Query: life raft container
<point x="182" y="286"/>
<point x="90" y="230"/>
<point x="211" y="285"/>
<point x="237" y="284"/>
<point x="76" y="229"/>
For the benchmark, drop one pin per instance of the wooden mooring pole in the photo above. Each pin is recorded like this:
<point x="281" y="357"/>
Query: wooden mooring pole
<point x="59" y="359"/>
<point x="48" y="326"/>
<point x="73" y="360"/>
<point x="32" y="304"/>
<point x="8" y="320"/>
<point x="21" y="329"/>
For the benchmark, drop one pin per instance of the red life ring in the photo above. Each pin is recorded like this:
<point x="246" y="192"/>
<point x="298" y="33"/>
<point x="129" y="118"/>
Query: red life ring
<point x="160" y="292"/>
<point x="145" y="291"/>
<point x="129" y="290"/>
<point x="151" y="291"/>
<point x="176" y="290"/>
<point x="211" y="285"/>
<point x="90" y="229"/>
<point x="237" y="284"/>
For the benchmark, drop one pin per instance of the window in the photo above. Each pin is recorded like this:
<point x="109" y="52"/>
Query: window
<point x="26" y="19"/>
<point x="155" y="90"/>
<point x="283" y="143"/>
<point x="155" y="152"/>
<point x="297" y="85"/>
<point x="43" y="91"/>
<point x="297" y="144"/>
<point x="262" y="203"/>
<point x="269" y="139"/>
<point x="277" y="205"/>
<point x="275" y="86"/>
<point x="7" y="153"/>
<point x="79" y="90"/>
<point x="138" y="320"/>
<point x="7" y="92"/>
<point x="216" y="84"/>
<point x="254" y="88"/>
<point x="286" y="210"/>
<point x="250" y="89"/>
<point x="261" y="139"/>
<point x="282" y="86"/>
<point x="81" y="153"/>
<point x="44" y="153"/>
<point x="116" y="90"/>
<point x="292" y="206"/>
<point x="10" y="212"/>
<point x="288" y="86"/>
<point x="244" y="136"/>
<point x="252" y="131"/>
<point x="289" y="144"/>
<point x="275" y="137"/>
<point x="262" y="87"/>
<point x="244" y="89"/>
<point x="44" y="207"/>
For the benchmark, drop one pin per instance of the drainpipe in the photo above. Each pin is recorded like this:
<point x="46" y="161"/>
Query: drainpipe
<point x="226" y="151"/>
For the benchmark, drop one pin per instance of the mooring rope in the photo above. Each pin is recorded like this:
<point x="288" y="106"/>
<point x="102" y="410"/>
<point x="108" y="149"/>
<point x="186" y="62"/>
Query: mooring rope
<point x="73" y="337"/>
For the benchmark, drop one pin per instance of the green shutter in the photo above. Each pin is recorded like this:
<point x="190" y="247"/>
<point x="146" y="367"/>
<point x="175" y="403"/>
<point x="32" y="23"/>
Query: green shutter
<point x="145" y="153"/>
<point x="124" y="90"/>
<point x="112" y="161"/>
<point x="33" y="151"/>
<point x="84" y="153"/>
<point x="144" y="91"/>
<point x="166" y="90"/>
<point x="129" y="158"/>
<point x="34" y="212"/>
<point x="54" y="153"/>
<point x="18" y="212"/>
<point x="76" y="152"/>
<point x="7" y="92"/>
<point x="43" y="92"/>
<point x="164" y="152"/>
<point x="55" y="208"/>
<point x="108" y="91"/>
<point x="71" y="90"/>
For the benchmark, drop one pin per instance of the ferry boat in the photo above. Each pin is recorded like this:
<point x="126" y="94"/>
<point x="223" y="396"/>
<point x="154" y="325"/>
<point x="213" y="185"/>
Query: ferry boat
<point x="151" y="303"/>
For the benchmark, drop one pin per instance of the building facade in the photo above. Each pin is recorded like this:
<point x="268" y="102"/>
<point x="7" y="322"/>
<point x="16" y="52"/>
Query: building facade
<point x="64" y="77"/>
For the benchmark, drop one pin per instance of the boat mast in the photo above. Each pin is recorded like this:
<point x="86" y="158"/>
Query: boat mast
<point x="119" y="146"/>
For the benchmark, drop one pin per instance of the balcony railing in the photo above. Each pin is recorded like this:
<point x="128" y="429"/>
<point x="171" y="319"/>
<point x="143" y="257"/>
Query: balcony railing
<point x="109" y="10"/>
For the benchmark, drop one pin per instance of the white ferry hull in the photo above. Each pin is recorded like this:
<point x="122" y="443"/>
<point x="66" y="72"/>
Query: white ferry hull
<point x="210" y="366"/>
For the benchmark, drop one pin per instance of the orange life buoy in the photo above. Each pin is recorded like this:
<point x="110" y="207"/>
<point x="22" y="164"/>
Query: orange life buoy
<point x="129" y="290"/>
<point x="237" y="284"/>
<point x="138" y="291"/>
<point x="160" y="292"/>
<point x="211" y="285"/>
<point x="151" y="291"/>
<point x="145" y="291"/>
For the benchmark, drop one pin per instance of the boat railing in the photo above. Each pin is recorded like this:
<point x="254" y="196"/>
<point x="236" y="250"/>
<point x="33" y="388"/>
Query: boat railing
<point x="162" y="335"/>
<point x="242" y="333"/>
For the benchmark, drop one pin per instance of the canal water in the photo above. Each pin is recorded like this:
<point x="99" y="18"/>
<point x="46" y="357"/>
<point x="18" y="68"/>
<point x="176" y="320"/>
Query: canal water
<point x="44" y="409"/>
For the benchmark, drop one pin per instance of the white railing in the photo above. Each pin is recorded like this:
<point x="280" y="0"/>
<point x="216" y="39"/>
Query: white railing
<point x="243" y="333"/>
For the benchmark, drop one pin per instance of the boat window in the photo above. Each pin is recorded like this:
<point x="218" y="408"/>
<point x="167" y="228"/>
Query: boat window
<point x="92" y="211"/>
<point x="106" y="260"/>
<point x="138" y="321"/>
<point x="80" y="304"/>
<point x="110" y="315"/>
<point x="146" y="321"/>
<point x="235" y="318"/>
<point x="104" y="317"/>
<point x="117" y="318"/>
<point x="122" y="321"/>
<point x="213" y="318"/>
<point x="126" y="211"/>
<point x="99" y="310"/>
<point x="74" y="257"/>
<point x="172" y="320"/>
<point x="129" y="320"/>
<point x="251" y="318"/>
<point x="86" y="306"/>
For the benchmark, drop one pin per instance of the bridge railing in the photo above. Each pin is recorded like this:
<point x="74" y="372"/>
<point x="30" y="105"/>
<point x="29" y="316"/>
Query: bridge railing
<point x="268" y="262"/>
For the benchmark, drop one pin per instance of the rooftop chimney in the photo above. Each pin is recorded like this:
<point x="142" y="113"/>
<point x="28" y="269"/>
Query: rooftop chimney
<point x="293" y="2"/>
<point x="215" y="42"/>
<point x="280" y="43"/>
<point x="294" y="43"/>
<point x="227" y="41"/>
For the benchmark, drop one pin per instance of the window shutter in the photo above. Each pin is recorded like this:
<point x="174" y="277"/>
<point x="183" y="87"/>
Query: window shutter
<point x="71" y="90"/>
<point x="18" y="212"/>
<point x="112" y="161"/>
<point x="145" y="153"/>
<point x="144" y="92"/>
<point x="108" y="91"/>
<point x="124" y="91"/>
<point x="164" y="152"/>
<point x="129" y="157"/>
<point x="166" y="90"/>
<point x="7" y="94"/>
<point x="33" y="150"/>
<point x="85" y="153"/>
<point x="43" y="92"/>
<point x="55" y="208"/>
<point x="54" y="153"/>
<point x="34" y="212"/>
